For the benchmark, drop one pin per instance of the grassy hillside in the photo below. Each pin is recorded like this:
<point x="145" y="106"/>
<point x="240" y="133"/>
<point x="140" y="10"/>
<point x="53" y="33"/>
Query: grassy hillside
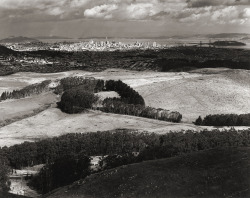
<point x="213" y="173"/>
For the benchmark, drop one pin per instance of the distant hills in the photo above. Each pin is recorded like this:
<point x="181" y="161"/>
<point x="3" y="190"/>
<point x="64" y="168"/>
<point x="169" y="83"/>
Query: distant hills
<point x="51" y="37"/>
<point x="228" y="35"/>
<point x="19" y="39"/>
<point x="228" y="43"/>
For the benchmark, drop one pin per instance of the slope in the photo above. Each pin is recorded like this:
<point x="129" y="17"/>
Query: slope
<point x="6" y="51"/>
<point x="213" y="173"/>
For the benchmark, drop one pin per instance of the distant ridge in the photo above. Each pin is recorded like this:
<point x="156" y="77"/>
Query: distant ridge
<point x="19" y="39"/>
<point x="51" y="37"/>
<point x="228" y="43"/>
<point x="228" y="35"/>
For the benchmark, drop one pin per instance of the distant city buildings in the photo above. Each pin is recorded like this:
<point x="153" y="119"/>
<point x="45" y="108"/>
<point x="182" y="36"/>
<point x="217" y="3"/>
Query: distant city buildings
<point x="85" y="46"/>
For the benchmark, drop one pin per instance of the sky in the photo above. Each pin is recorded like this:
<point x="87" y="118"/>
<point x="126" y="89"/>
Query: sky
<point x="122" y="18"/>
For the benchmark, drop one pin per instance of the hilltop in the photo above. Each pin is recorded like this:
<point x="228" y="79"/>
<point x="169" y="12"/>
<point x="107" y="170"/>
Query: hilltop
<point x="221" y="172"/>
<point x="19" y="39"/>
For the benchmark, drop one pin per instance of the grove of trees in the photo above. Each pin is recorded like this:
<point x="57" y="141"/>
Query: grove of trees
<point x="79" y="95"/>
<point x="128" y="94"/>
<point x="116" y="105"/>
<point x="63" y="171"/>
<point x="224" y="120"/>
<point x="26" y="91"/>
<point x="88" y="84"/>
<point x="76" y="100"/>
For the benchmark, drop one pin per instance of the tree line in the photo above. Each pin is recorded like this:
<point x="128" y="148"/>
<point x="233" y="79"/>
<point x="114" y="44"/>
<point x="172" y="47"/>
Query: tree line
<point x="116" y="105"/>
<point x="180" y="64"/>
<point x="224" y="120"/>
<point x="120" y="141"/>
<point x="26" y="91"/>
<point x="128" y="94"/>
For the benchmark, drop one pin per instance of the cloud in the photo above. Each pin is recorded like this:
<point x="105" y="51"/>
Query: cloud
<point x="102" y="11"/>
<point x="176" y="11"/>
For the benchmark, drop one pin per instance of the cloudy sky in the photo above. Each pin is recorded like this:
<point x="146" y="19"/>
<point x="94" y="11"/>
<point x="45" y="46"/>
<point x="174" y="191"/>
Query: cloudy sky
<point x="122" y="18"/>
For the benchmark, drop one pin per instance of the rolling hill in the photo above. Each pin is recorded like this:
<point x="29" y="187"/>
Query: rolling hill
<point x="222" y="172"/>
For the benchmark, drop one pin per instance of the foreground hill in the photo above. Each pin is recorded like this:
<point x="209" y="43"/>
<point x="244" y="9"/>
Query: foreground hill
<point x="6" y="51"/>
<point x="19" y="39"/>
<point x="213" y="173"/>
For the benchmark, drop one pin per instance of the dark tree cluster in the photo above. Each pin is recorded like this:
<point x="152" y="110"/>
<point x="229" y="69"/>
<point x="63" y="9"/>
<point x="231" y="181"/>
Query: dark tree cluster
<point x="128" y="94"/>
<point x="183" y="64"/>
<point x="26" y="91"/>
<point x="116" y="105"/>
<point x="88" y="84"/>
<point x="63" y="171"/>
<point x="121" y="142"/>
<point x="224" y="120"/>
<point x="77" y="100"/>
<point x="4" y="171"/>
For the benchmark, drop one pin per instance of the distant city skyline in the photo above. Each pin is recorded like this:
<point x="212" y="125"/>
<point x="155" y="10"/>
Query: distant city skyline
<point x="122" y="18"/>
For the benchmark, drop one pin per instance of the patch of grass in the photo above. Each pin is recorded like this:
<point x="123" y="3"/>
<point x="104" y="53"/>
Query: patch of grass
<point x="220" y="172"/>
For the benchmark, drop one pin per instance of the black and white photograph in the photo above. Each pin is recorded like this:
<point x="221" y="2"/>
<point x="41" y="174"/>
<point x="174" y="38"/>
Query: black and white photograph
<point x="124" y="98"/>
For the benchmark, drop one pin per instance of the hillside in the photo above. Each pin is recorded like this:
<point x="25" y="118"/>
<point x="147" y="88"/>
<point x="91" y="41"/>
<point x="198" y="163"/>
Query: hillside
<point x="213" y="173"/>
<point x="6" y="51"/>
<point x="19" y="39"/>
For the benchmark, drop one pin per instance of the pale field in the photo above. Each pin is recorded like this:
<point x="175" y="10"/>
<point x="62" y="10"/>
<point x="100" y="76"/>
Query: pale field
<point x="201" y="92"/>
<point x="52" y="122"/>
<point x="12" y="109"/>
